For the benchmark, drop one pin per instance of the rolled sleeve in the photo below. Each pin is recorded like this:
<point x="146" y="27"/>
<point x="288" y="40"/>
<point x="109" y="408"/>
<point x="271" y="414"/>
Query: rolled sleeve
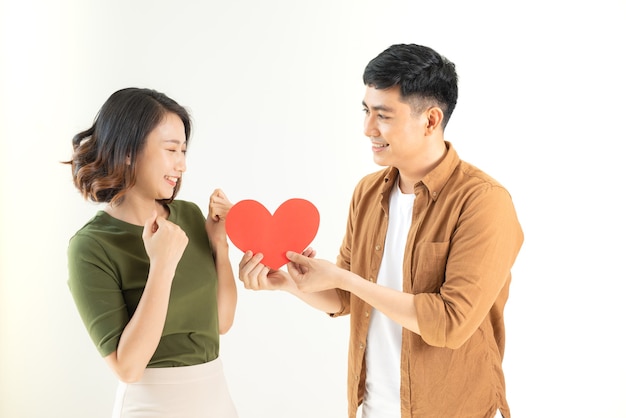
<point x="482" y="251"/>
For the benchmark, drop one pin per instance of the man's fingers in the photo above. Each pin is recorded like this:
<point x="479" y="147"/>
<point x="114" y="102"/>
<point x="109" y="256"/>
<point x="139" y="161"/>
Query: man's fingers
<point x="298" y="258"/>
<point x="293" y="270"/>
<point x="309" y="252"/>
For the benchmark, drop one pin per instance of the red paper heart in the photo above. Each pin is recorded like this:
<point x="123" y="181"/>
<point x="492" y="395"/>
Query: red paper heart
<point x="250" y="226"/>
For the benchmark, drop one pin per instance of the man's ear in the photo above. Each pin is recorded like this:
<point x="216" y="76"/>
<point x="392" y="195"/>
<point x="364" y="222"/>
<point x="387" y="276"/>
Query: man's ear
<point x="434" y="118"/>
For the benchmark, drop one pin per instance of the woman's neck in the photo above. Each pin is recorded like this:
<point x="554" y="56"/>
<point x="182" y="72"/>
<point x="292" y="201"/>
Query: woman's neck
<point x="136" y="212"/>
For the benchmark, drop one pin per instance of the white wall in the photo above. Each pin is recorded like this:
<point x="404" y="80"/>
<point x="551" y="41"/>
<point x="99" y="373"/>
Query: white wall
<point x="275" y="90"/>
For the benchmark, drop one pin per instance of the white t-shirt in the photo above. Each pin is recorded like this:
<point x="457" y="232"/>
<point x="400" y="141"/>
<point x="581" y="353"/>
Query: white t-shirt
<point x="384" y="338"/>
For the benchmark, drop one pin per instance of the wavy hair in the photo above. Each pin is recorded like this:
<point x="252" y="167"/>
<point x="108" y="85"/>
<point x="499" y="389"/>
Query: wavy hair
<point x="99" y="163"/>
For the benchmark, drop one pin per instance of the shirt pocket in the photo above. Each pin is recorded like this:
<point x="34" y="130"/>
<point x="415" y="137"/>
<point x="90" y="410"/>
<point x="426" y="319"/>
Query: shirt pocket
<point x="429" y="266"/>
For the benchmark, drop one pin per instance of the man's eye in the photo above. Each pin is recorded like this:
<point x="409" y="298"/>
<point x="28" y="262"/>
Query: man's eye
<point x="367" y="111"/>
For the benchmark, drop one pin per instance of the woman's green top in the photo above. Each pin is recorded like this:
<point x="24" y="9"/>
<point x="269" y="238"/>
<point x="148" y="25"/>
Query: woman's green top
<point x="108" y="269"/>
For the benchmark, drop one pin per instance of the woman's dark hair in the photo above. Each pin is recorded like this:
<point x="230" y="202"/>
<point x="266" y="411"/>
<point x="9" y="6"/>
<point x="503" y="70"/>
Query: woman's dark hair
<point x="421" y="73"/>
<point x="100" y="165"/>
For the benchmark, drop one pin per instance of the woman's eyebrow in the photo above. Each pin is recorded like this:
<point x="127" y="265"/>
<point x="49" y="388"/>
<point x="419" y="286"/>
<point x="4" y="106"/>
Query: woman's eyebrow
<point x="175" y="141"/>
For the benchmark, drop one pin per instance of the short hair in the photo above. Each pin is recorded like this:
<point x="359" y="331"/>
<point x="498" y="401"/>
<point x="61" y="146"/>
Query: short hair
<point x="420" y="72"/>
<point x="99" y="162"/>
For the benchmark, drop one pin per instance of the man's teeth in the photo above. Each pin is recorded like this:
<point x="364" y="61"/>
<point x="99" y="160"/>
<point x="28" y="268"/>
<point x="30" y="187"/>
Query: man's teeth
<point x="174" y="179"/>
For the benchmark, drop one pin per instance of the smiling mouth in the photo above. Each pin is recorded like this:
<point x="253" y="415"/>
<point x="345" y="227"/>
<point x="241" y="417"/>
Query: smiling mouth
<point x="173" y="180"/>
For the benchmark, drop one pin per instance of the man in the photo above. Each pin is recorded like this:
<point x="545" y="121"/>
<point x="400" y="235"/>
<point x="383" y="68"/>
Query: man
<point x="425" y="265"/>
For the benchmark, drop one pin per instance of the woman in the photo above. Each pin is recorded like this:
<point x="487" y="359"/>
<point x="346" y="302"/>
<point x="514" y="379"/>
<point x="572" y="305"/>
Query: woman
<point x="150" y="276"/>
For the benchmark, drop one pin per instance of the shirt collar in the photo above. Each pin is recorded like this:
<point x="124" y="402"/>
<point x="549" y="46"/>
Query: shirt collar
<point x="434" y="181"/>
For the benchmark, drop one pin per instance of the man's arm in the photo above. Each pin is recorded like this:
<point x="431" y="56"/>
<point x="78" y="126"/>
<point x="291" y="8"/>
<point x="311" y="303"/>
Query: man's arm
<point x="313" y="275"/>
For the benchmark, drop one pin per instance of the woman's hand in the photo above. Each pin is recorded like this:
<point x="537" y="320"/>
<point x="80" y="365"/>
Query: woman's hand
<point x="165" y="243"/>
<point x="219" y="206"/>
<point x="257" y="276"/>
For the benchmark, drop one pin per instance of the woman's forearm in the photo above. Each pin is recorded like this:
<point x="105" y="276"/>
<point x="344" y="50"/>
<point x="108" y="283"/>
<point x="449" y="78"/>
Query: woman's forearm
<point x="226" y="288"/>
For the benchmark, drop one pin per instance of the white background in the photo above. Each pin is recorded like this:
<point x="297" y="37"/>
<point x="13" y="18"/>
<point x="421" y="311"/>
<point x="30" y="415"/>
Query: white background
<point x="275" y="88"/>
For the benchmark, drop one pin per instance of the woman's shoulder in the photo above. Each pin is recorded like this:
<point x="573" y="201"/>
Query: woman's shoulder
<point x="183" y="212"/>
<point x="102" y="229"/>
<point x="104" y="223"/>
<point x="184" y="208"/>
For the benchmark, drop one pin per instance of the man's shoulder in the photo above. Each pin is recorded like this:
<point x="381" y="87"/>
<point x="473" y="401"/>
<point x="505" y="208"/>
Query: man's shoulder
<point x="474" y="175"/>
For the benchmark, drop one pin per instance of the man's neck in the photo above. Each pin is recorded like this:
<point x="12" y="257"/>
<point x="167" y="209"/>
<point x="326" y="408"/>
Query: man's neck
<point x="415" y="172"/>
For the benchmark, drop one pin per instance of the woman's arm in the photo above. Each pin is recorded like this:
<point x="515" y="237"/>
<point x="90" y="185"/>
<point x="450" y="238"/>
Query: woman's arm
<point x="219" y="205"/>
<point x="165" y="243"/>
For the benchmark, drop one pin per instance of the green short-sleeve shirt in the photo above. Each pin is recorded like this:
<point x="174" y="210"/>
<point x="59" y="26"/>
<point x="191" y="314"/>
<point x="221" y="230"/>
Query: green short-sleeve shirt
<point x="108" y="268"/>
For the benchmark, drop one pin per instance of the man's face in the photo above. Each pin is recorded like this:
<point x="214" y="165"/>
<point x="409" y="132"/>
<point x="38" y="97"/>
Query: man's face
<point x="396" y="133"/>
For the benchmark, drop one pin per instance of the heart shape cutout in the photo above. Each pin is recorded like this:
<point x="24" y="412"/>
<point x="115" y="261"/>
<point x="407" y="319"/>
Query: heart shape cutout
<point x="250" y="226"/>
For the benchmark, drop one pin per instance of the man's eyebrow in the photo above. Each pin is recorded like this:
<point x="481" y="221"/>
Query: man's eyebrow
<point x="378" y="107"/>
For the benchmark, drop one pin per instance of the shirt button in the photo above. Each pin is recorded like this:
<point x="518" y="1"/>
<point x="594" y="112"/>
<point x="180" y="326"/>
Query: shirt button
<point x="367" y="314"/>
<point x="434" y="194"/>
<point x="378" y="248"/>
<point x="361" y="346"/>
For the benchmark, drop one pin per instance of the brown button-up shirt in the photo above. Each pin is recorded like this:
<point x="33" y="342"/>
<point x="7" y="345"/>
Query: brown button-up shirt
<point x="462" y="243"/>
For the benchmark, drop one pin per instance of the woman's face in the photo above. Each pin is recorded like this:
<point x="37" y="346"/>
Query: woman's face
<point x="162" y="161"/>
